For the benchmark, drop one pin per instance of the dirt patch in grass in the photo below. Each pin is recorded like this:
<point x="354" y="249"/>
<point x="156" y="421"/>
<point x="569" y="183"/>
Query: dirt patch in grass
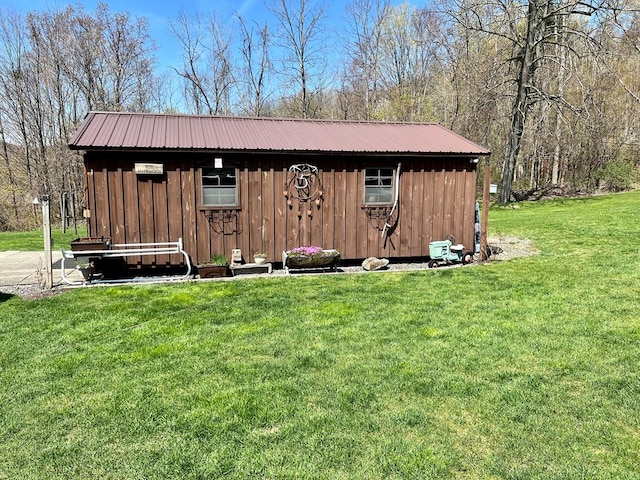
<point x="511" y="247"/>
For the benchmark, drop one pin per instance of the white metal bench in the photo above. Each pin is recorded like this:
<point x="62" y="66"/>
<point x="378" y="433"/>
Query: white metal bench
<point x="125" y="250"/>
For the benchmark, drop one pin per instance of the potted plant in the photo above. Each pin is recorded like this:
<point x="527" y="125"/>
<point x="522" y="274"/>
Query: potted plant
<point x="217" y="267"/>
<point x="90" y="243"/>
<point x="260" y="258"/>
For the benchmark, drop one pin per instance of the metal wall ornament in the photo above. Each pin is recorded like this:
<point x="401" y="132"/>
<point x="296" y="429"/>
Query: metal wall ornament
<point x="303" y="185"/>
<point x="378" y="217"/>
<point x="224" y="222"/>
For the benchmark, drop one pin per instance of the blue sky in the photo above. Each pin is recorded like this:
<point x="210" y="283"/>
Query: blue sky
<point x="159" y="12"/>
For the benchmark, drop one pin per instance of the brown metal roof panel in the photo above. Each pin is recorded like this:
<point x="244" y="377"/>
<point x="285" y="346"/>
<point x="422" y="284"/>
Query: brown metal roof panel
<point x="261" y="134"/>
<point x="446" y="141"/>
<point x="264" y="133"/>
<point x="180" y="126"/>
<point x="132" y="134"/>
<point x="360" y="138"/>
<point x="172" y="132"/>
<point x="307" y="138"/>
<point x="145" y="134"/>
<point x="250" y="137"/>
<point x="315" y="137"/>
<point x="120" y="130"/>
<point x="104" y="134"/>
<point x="219" y="137"/>
<point x="159" y="131"/>
<point x="94" y="128"/>
<point x="230" y="136"/>
<point x="86" y="129"/>
<point x="103" y="129"/>
<point x="241" y="135"/>
<point x="327" y="136"/>
<point x="197" y="133"/>
<point x="185" y="139"/>
<point x="80" y="131"/>
<point x="244" y="136"/>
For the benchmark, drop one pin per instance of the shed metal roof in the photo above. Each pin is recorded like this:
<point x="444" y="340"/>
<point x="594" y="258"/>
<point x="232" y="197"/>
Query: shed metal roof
<point x="135" y="131"/>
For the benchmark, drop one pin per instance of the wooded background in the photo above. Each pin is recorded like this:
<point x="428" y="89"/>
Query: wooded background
<point x="551" y="87"/>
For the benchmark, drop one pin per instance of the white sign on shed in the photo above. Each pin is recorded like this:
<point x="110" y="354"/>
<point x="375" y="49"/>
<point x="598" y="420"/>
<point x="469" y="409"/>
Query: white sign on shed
<point x="149" y="168"/>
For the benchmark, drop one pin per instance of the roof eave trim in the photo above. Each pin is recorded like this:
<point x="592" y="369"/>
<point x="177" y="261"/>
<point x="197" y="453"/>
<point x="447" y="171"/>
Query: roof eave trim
<point x="94" y="148"/>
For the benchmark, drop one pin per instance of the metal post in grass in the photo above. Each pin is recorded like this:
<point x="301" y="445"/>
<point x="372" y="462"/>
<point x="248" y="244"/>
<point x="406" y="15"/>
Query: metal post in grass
<point x="484" y="221"/>
<point x="46" y="229"/>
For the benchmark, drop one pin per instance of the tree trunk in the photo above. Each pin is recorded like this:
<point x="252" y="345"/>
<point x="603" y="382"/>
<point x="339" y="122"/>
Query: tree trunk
<point x="520" y="105"/>
<point x="12" y="180"/>
<point x="561" y="53"/>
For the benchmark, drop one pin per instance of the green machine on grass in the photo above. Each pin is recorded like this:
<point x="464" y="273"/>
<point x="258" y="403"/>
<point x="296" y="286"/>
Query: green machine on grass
<point x="445" y="252"/>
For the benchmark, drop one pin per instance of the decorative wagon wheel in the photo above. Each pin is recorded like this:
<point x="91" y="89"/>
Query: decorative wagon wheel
<point x="303" y="183"/>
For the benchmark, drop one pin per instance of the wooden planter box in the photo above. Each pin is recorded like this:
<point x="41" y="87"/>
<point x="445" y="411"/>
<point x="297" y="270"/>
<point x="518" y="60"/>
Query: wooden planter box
<point x="213" y="271"/>
<point x="250" y="268"/>
<point x="90" y="243"/>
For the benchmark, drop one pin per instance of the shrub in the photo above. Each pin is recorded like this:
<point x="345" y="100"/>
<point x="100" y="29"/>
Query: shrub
<point x="617" y="175"/>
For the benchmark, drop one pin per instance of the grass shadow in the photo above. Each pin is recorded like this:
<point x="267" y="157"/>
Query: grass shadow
<point x="5" y="296"/>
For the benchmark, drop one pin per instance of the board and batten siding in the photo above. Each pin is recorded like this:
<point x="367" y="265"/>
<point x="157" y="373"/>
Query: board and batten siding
<point x="436" y="199"/>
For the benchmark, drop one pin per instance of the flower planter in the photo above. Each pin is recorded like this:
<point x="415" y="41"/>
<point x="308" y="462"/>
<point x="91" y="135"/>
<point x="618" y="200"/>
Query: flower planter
<point x="213" y="271"/>
<point x="259" y="260"/>
<point x="294" y="259"/>
<point x="90" y="243"/>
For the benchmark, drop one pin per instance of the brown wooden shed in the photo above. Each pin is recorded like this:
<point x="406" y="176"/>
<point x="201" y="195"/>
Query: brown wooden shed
<point x="267" y="185"/>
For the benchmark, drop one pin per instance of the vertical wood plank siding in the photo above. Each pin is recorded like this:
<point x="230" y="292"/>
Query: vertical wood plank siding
<point x="436" y="198"/>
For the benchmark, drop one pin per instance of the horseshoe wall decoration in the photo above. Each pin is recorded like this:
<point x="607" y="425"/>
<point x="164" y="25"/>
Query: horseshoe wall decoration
<point x="303" y="183"/>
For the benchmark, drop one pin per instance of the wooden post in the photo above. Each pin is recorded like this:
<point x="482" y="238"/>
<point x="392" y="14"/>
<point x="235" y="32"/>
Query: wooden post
<point x="484" y="221"/>
<point x="46" y="229"/>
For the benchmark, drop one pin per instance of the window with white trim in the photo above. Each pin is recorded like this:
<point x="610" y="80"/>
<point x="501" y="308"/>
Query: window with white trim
<point x="378" y="186"/>
<point x="219" y="187"/>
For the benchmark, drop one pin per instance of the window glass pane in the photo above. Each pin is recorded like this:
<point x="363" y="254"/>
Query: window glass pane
<point x="378" y="185"/>
<point x="379" y="195"/>
<point x="219" y="186"/>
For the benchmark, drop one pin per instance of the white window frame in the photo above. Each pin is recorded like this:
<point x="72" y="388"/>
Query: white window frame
<point x="375" y="181"/>
<point x="209" y="175"/>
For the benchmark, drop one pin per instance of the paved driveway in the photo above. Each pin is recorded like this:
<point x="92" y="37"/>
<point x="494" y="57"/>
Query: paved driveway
<point x="21" y="268"/>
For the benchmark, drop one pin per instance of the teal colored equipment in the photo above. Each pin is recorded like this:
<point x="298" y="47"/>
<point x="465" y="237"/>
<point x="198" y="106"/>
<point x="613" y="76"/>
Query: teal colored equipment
<point x="444" y="252"/>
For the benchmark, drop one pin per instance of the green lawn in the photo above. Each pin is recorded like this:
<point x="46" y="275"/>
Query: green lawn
<point x="34" y="240"/>
<point x="517" y="370"/>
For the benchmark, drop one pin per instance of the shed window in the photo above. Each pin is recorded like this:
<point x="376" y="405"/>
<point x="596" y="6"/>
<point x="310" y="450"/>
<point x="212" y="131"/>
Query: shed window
<point x="219" y="187"/>
<point x="378" y="186"/>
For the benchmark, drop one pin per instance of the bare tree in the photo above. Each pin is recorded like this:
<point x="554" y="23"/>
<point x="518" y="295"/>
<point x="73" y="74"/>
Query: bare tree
<point x="207" y="67"/>
<point x="408" y="56"/>
<point x="13" y="184"/>
<point x="536" y="31"/>
<point x="301" y="37"/>
<point x="256" y="69"/>
<point x="54" y="66"/>
<point x="362" y="77"/>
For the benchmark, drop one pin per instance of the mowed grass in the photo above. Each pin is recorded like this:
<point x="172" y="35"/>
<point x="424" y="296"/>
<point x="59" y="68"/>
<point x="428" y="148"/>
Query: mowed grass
<point x="521" y="369"/>
<point x="34" y="240"/>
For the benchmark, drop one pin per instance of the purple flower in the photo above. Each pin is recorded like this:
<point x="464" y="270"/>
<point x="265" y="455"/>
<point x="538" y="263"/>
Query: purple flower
<point x="307" y="251"/>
